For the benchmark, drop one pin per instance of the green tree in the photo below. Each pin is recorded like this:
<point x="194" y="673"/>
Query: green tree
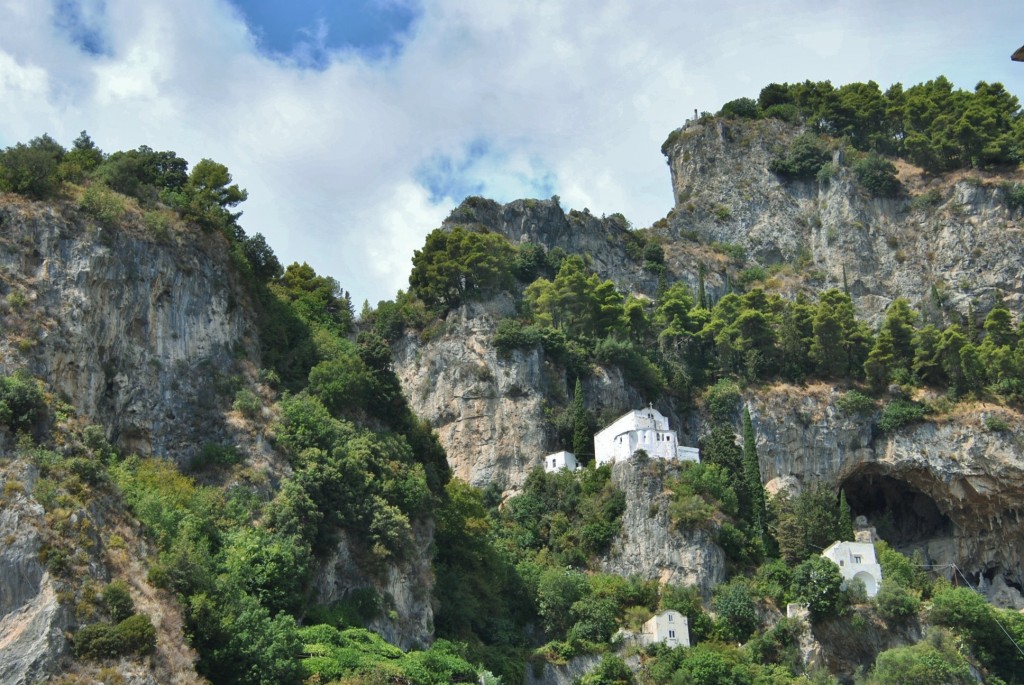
<point x="752" y="475"/>
<point x="737" y="613"/>
<point x="82" y="159"/>
<point x="32" y="169"/>
<point x="582" y="442"/>
<point x="817" y="582"/>
<point x="207" y="196"/>
<point x="459" y="264"/>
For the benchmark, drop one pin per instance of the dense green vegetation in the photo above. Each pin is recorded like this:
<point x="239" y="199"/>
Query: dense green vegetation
<point x="931" y="124"/>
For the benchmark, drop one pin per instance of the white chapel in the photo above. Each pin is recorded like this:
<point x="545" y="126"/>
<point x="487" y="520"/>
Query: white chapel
<point x="640" y="429"/>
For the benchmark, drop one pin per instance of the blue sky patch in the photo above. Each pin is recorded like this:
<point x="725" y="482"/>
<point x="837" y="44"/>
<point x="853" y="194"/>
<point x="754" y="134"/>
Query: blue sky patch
<point x="82" y="22"/>
<point x="482" y="169"/>
<point x="308" y="31"/>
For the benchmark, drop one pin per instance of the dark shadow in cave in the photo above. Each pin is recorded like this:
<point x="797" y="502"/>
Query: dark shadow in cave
<point x="902" y="514"/>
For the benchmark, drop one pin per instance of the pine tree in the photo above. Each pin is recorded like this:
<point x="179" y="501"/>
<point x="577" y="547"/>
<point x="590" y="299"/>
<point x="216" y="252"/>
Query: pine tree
<point x="752" y="475"/>
<point x="580" y="426"/>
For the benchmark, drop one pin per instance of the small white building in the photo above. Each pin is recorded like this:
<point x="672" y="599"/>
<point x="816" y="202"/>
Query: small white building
<point x="560" y="460"/>
<point x="640" y="429"/>
<point x="856" y="561"/>
<point x="669" y="627"/>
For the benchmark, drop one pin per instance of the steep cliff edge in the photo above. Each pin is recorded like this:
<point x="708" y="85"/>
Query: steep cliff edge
<point x="133" y="330"/>
<point x="947" y="244"/>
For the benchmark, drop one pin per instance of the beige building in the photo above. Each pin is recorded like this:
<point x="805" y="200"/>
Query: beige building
<point x="669" y="627"/>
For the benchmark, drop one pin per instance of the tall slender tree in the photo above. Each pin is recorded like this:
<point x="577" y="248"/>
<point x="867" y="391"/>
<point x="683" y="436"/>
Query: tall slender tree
<point x="581" y="442"/>
<point x="752" y="474"/>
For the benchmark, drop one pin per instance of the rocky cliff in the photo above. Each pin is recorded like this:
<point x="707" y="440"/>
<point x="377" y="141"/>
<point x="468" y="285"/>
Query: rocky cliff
<point x="947" y="244"/>
<point x="949" y="487"/>
<point x="134" y="330"/>
<point x="146" y="334"/>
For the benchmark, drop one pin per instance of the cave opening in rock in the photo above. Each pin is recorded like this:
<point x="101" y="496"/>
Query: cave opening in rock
<point x="901" y="513"/>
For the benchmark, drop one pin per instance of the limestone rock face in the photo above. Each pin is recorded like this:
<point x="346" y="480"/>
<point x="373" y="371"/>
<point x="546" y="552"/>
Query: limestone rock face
<point x="38" y="609"/>
<point x="543" y="222"/>
<point x="32" y="621"/>
<point x="133" y="331"/>
<point x="960" y="243"/>
<point x="947" y="487"/>
<point x="488" y="410"/>
<point x="404" y="588"/>
<point x="648" y="545"/>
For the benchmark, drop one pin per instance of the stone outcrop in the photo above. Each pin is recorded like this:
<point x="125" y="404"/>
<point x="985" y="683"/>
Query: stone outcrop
<point x="569" y="672"/>
<point x="648" y="544"/>
<point x="32" y="621"/>
<point x="404" y="588"/>
<point x="133" y="330"/>
<point x="948" y="245"/>
<point x="489" y="410"/>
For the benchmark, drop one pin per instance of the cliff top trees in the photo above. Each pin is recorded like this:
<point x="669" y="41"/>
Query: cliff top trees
<point x="458" y="264"/>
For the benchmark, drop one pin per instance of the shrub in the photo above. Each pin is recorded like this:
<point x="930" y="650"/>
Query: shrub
<point x="802" y="159"/>
<point x="899" y="413"/>
<point x="214" y="454"/>
<point x="996" y="423"/>
<point x="103" y="204"/>
<point x="721" y="400"/>
<point x="855" y="402"/>
<point x="877" y="175"/>
<point x="134" y="635"/>
<point x="1014" y="195"/>
<point x="741" y="108"/>
<point x="118" y="601"/>
<point x="21" y="402"/>
<point x="513" y="335"/>
<point x="247" y="403"/>
<point x="31" y="169"/>
<point x="895" y="602"/>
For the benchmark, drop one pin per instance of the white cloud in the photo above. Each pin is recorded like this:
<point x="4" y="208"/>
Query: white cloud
<point x="572" y="97"/>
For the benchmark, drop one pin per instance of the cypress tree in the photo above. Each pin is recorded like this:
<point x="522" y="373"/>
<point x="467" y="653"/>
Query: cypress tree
<point x="752" y="474"/>
<point x="580" y="425"/>
<point x="845" y="518"/>
<point x="702" y="298"/>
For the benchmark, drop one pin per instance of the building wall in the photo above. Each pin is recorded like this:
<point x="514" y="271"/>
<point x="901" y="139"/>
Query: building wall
<point x="669" y="627"/>
<point x="645" y="429"/>
<point x="560" y="460"/>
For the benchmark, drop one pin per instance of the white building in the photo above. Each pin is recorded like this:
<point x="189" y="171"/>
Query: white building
<point x="669" y="627"/>
<point x="856" y="561"/>
<point x="640" y="429"/>
<point x="560" y="460"/>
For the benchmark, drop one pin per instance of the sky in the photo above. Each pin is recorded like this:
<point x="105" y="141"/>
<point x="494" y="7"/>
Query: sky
<point x="358" y="125"/>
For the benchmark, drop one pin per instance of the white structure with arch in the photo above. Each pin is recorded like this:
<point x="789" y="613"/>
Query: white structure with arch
<point x="856" y="561"/>
<point x="640" y="429"/>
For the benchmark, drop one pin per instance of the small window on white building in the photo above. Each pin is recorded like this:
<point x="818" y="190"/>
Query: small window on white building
<point x="554" y="462"/>
<point x="857" y="559"/>
<point x="671" y="618"/>
<point x="842" y="562"/>
<point x="672" y="634"/>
